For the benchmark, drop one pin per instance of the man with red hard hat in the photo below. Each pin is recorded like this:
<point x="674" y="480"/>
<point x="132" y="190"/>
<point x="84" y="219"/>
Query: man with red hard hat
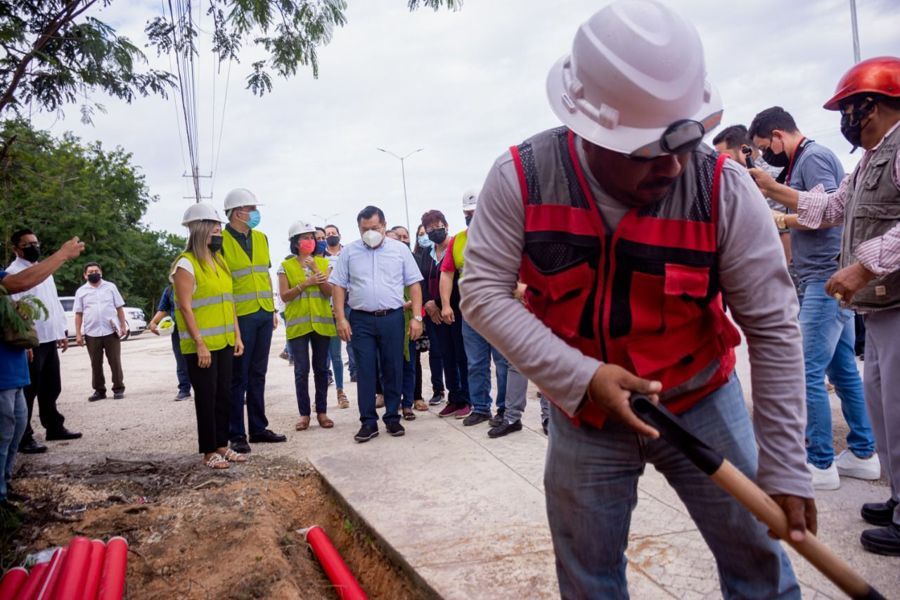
<point x="867" y="203"/>
<point x="627" y="231"/>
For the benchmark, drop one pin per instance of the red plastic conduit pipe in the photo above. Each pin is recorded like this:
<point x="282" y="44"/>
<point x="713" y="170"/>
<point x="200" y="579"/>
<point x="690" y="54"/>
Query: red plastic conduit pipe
<point x="94" y="570"/>
<point x="71" y="580"/>
<point x="53" y="571"/>
<point x="35" y="581"/>
<point x="12" y="582"/>
<point x="112" y="582"/>
<point x="338" y="572"/>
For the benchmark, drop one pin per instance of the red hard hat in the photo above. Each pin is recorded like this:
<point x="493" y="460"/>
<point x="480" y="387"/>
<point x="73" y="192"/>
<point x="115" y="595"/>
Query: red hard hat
<point x="879" y="75"/>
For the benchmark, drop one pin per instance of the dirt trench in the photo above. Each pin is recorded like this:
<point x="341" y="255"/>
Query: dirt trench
<point x="195" y="533"/>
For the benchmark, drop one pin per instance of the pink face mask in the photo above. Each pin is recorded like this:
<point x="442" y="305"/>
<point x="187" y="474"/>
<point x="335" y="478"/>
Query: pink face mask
<point x="307" y="246"/>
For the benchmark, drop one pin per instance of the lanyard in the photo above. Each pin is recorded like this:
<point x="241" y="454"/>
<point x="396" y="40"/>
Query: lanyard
<point x="790" y="168"/>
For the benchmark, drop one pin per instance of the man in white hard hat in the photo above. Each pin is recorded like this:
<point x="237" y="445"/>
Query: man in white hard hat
<point x="246" y="252"/>
<point x="627" y="231"/>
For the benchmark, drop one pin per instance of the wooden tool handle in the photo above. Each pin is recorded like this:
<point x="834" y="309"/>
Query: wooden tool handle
<point x="764" y="508"/>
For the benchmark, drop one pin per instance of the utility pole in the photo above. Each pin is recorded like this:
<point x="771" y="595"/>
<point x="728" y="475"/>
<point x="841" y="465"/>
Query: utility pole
<point x="402" y="160"/>
<point x="855" y="27"/>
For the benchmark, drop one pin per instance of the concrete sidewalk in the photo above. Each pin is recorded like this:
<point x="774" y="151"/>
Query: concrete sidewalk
<point x="464" y="512"/>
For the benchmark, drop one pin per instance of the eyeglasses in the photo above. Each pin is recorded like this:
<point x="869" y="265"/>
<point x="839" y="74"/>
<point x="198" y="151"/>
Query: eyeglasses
<point x="681" y="136"/>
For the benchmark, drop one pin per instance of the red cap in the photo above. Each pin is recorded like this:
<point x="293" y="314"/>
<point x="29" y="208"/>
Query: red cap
<point x="879" y="75"/>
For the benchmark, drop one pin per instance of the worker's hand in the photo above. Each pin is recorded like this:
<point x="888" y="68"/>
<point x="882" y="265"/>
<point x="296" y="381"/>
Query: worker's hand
<point x="343" y="329"/>
<point x="319" y="277"/>
<point x="153" y="326"/>
<point x="610" y="389"/>
<point x="447" y="315"/>
<point x="122" y="330"/>
<point x="63" y="344"/>
<point x="519" y="292"/>
<point x="309" y="262"/>
<point x="433" y="312"/>
<point x="238" y="347"/>
<point x="415" y="329"/>
<point x="848" y="281"/>
<point x="765" y="182"/>
<point x="79" y="339"/>
<point x="204" y="356"/>
<point x="274" y="321"/>
<point x="30" y="354"/>
<point x="779" y="217"/>
<point x="72" y="249"/>
<point x="801" y="515"/>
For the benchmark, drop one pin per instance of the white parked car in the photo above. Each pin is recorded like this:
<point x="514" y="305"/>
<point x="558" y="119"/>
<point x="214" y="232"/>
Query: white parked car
<point x="134" y="318"/>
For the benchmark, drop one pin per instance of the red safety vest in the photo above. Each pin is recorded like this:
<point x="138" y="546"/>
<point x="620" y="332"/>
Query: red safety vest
<point x="644" y="296"/>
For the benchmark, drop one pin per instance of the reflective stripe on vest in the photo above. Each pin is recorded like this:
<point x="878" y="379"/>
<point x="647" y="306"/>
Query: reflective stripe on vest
<point x="252" y="285"/>
<point x="311" y="310"/>
<point x="645" y="296"/>
<point x="212" y="306"/>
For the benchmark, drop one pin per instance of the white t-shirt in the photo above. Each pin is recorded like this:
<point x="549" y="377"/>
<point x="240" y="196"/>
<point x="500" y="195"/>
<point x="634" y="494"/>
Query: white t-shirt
<point x="188" y="266"/>
<point x="98" y="307"/>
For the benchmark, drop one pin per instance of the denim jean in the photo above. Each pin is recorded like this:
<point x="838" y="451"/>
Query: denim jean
<point x="591" y="477"/>
<point x="828" y="349"/>
<point x="13" y="419"/>
<point x="409" y="377"/>
<point x="337" y="362"/>
<point x="378" y="340"/>
<point x="184" y="382"/>
<point x="454" y="360"/>
<point x="300" y="350"/>
<point x="248" y="378"/>
<point x="479" y="352"/>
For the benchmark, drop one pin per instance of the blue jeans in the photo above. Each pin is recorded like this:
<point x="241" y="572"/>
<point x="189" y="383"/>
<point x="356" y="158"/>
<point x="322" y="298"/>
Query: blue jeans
<point x="454" y="359"/>
<point x="184" y="382"/>
<point x="378" y="340"/>
<point x="409" y="377"/>
<point x="828" y="349"/>
<point x="479" y="353"/>
<point x="249" y="375"/>
<point x="300" y="351"/>
<point x="591" y="478"/>
<point x="337" y="363"/>
<point x="13" y="419"/>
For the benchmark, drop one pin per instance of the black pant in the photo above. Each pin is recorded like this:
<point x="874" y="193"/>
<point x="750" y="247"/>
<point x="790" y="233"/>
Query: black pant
<point x="300" y="350"/>
<point x="46" y="386"/>
<point x="112" y="345"/>
<point x="212" y="398"/>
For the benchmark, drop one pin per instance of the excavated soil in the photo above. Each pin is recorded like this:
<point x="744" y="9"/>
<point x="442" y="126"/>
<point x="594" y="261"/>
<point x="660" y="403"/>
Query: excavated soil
<point x="196" y="533"/>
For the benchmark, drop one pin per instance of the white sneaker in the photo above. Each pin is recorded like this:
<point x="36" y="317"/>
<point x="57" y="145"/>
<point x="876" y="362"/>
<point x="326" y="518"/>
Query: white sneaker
<point x="824" y="479"/>
<point x="850" y="465"/>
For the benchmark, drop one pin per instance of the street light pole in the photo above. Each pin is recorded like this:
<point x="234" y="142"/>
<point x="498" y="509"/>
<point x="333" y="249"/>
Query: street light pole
<point x="402" y="160"/>
<point x="855" y="29"/>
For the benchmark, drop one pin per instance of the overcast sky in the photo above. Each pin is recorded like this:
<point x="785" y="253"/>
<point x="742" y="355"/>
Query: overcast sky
<point x="462" y="85"/>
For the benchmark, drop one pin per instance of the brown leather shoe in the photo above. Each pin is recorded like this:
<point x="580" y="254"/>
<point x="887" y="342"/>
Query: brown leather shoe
<point x="302" y="424"/>
<point x="324" y="421"/>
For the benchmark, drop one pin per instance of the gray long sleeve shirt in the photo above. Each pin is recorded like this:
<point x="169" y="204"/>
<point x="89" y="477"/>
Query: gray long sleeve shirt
<point x="754" y="279"/>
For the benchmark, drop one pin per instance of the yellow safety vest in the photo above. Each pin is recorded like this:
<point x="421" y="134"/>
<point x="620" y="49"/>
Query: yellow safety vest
<point x="213" y="308"/>
<point x="459" y="246"/>
<point x="252" y="286"/>
<point x="311" y="310"/>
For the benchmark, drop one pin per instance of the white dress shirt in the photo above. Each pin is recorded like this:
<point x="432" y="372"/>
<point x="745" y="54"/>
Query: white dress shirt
<point x="52" y="328"/>
<point x="98" y="307"/>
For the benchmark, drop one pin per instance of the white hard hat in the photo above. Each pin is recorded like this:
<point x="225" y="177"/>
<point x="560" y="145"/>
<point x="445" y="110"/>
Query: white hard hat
<point x="636" y="72"/>
<point x="470" y="199"/>
<point x="201" y="212"/>
<point x="240" y="197"/>
<point x="300" y="227"/>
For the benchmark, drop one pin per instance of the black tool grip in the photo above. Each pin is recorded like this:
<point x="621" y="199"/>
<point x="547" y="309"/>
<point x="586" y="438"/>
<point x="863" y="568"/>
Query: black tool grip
<point x="671" y="430"/>
<point x="747" y="152"/>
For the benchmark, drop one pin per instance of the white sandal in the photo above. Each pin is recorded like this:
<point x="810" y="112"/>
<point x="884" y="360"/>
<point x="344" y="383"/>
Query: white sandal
<point x="216" y="462"/>
<point x="233" y="457"/>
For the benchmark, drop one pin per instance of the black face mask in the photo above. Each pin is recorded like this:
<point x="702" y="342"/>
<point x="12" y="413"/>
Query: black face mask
<point x="438" y="235"/>
<point x="31" y="253"/>
<point x="333" y="240"/>
<point x="469" y="220"/>
<point x="215" y="243"/>
<point x="94" y="277"/>
<point x="851" y="123"/>
<point x="776" y="160"/>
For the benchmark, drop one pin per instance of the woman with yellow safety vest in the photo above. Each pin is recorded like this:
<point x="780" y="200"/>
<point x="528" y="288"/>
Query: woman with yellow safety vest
<point x="304" y="288"/>
<point x="207" y="328"/>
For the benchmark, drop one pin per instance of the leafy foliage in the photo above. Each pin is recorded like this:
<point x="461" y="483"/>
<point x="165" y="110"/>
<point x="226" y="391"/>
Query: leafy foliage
<point x="61" y="188"/>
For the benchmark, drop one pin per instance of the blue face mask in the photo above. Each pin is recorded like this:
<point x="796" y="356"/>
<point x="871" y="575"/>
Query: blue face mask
<point x="320" y="247"/>
<point x="253" y="221"/>
<point x="424" y="241"/>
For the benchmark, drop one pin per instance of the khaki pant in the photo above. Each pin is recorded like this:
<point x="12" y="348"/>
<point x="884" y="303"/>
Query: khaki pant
<point x="96" y="346"/>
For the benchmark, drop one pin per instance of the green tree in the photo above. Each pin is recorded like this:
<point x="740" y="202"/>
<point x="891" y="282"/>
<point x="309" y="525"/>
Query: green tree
<point x="63" y="187"/>
<point x="56" y="53"/>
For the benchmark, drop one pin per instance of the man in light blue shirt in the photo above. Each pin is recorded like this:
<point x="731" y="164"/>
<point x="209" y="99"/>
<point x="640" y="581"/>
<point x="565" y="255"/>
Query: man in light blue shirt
<point x="374" y="271"/>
